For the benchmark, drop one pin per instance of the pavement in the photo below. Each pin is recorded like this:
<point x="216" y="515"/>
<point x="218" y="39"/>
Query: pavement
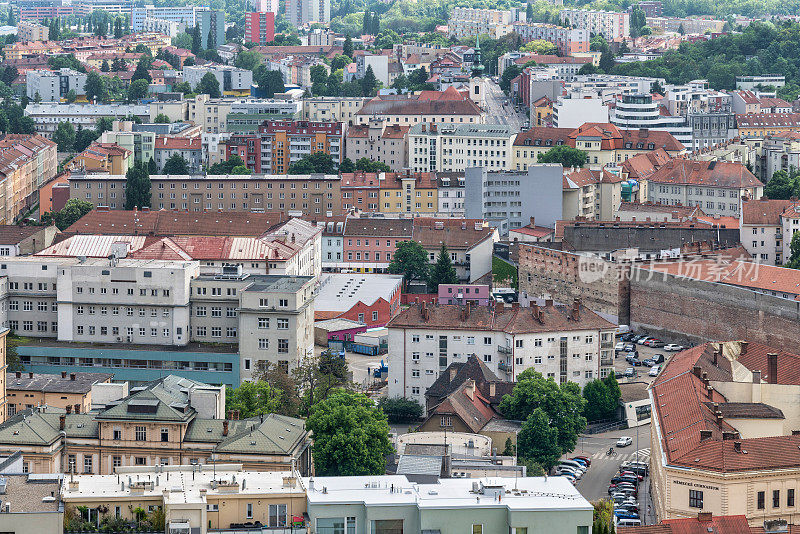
<point x="496" y="111"/>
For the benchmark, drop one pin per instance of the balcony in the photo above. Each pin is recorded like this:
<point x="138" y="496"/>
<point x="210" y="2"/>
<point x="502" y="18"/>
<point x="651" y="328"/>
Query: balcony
<point x="503" y="349"/>
<point x="606" y="344"/>
<point x="607" y="363"/>
<point x="505" y="367"/>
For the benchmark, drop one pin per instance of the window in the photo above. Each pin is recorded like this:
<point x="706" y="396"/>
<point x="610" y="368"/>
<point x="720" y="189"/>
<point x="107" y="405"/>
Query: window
<point x="164" y="435"/>
<point x="116" y="461"/>
<point x="140" y="460"/>
<point x="776" y="498"/>
<point x="283" y="346"/>
<point x="760" y="500"/>
<point x="477" y="529"/>
<point x="790" y="497"/>
<point x="263" y="344"/>
<point x="283" y="324"/>
<point x="87" y="465"/>
<point x="446" y="421"/>
<point x="249" y="510"/>
<point x="263" y="322"/>
<point x="117" y="434"/>
<point x="141" y="433"/>
<point x="695" y="499"/>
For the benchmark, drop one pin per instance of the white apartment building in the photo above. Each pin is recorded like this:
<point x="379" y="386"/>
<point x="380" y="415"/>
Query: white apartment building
<point x="451" y="193"/>
<point x="563" y="342"/>
<point x="299" y="12"/>
<point x="167" y="27"/>
<point x="608" y="86"/>
<point x="638" y="111"/>
<point x="762" y="226"/>
<point x="576" y="109"/>
<point x="452" y="148"/>
<point x="46" y="116"/>
<point x="229" y="78"/>
<point x="471" y="22"/>
<point x="187" y="15"/>
<point x="53" y="86"/>
<point x="612" y="25"/>
<point x="568" y="40"/>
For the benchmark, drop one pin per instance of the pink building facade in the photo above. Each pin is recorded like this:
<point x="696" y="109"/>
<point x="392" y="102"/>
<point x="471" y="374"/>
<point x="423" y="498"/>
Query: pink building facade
<point x="464" y="293"/>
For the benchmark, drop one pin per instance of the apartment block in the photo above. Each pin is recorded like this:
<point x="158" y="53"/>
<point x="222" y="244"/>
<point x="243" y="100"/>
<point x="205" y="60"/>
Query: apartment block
<point x="139" y="143"/>
<point x="378" y="142"/>
<point x="454" y="148"/>
<point x="567" y="40"/>
<point x="259" y="27"/>
<point x="166" y="27"/>
<point x="231" y="80"/>
<point x="102" y="157"/>
<point x="53" y="86"/>
<point x="472" y="22"/>
<point x="278" y="144"/>
<point x="762" y="228"/>
<point x="27" y="390"/>
<point x="332" y="109"/>
<point x="211" y="24"/>
<point x="189" y="148"/>
<point x="612" y="25"/>
<point x="686" y="25"/>
<point x="32" y="31"/>
<point x="26" y="163"/>
<point x="186" y="15"/>
<point x="300" y="12"/>
<point x="316" y="194"/>
<point x="440" y="107"/>
<point x="46" y="116"/>
<point x="565" y="342"/>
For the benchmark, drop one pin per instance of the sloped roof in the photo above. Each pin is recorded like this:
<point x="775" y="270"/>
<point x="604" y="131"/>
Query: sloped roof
<point x="469" y="405"/>
<point x="730" y="524"/>
<point x="149" y="405"/>
<point x="472" y="369"/>
<point x="276" y="434"/>
<point x="416" y="105"/>
<point x="705" y="173"/>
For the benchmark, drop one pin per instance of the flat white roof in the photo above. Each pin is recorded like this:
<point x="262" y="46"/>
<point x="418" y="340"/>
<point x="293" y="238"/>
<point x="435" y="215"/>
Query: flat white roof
<point x="530" y="493"/>
<point x="340" y="292"/>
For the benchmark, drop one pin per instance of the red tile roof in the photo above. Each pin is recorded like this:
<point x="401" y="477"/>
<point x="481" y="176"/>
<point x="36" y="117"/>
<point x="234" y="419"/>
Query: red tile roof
<point x="768" y="120"/>
<point x="535" y="231"/>
<point x="178" y="143"/>
<point x="705" y="173"/>
<point x="730" y="524"/>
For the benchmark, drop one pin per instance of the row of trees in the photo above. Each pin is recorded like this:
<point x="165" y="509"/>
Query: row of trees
<point x="411" y="260"/>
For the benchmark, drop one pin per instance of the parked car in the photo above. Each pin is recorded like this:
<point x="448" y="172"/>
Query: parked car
<point x="619" y="374"/>
<point x="633" y="360"/>
<point x="581" y="461"/>
<point x="672" y="347"/>
<point x="656" y="344"/>
<point x="573" y="463"/>
<point x="628" y="508"/>
<point x="654" y="370"/>
<point x="625" y="514"/>
<point x="658" y="358"/>
<point x="584" y="458"/>
<point x="628" y="522"/>
<point x="630" y="347"/>
<point x="648" y="362"/>
<point x="643" y="340"/>
<point x="631" y="474"/>
<point x="630" y="372"/>
<point x="627" y="337"/>
<point x="619" y="347"/>
<point x="624" y="441"/>
<point x="640" y="468"/>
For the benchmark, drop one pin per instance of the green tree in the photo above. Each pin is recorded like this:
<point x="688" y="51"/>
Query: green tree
<point x="71" y="96"/>
<point x="253" y="398"/>
<point x="410" y="260"/>
<point x="347" y="48"/>
<point x="781" y="186"/>
<point x="270" y="83"/>
<point x="597" y="400"/>
<point x="95" y="87"/>
<point x="211" y="40"/>
<point x="208" y="85"/>
<point x="794" y="256"/>
<point x="529" y="12"/>
<point x="319" y="80"/>
<point x="681" y="30"/>
<point x="138" y="90"/>
<point x="334" y="83"/>
<point x="368" y="165"/>
<point x="73" y="210"/>
<point x="247" y="59"/>
<point x="347" y="165"/>
<point x="539" y="46"/>
<point x="162" y="119"/>
<point x="142" y="68"/>
<point x="197" y="45"/>
<point x="152" y="168"/>
<point x="366" y="23"/>
<point x="562" y="404"/>
<point x="509" y="73"/>
<point x="176" y="164"/>
<point x="369" y="82"/>
<point x="442" y="272"/>
<point x="400" y="410"/>
<point x="137" y="187"/>
<point x="241" y="169"/>
<point x="565" y="155"/>
<point x="340" y="62"/>
<point x="351" y="436"/>
<point x="105" y="67"/>
<point x="318" y="162"/>
<point x="118" y="64"/>
<point x="587" y="68"/>
<point x="84" y="137"/>
<point x="64" y="136"/>
<point x="637" y="21"/>
<point x="607" y="61"/>
<point x="538" y="439"/>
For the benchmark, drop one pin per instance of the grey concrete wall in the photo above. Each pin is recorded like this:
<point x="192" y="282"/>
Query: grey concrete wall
<point x="607" y="238"/>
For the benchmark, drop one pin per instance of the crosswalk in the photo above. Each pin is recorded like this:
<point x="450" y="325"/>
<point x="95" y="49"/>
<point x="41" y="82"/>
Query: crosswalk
<point x="642" y="456"/>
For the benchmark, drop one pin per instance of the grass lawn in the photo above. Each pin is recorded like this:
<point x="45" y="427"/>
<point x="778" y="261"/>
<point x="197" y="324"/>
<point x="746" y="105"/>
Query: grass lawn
<point x="503" y="273"/>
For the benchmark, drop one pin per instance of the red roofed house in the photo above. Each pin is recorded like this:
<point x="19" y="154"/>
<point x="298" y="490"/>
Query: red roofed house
<point x="702" y="523"/>
<point x="763" y="225"/>
<point x="723" y="433"/>
<point x="191" y="149"/>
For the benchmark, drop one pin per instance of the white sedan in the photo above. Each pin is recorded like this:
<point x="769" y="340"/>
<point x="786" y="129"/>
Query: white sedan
<point x="624" y="441"/>
<point x="672" y="347"/>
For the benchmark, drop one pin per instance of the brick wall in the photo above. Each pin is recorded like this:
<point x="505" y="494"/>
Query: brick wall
<point x="683" y="310"/>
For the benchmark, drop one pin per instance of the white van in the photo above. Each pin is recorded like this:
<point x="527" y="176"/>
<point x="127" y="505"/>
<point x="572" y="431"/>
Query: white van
<point x="629" y="522"/>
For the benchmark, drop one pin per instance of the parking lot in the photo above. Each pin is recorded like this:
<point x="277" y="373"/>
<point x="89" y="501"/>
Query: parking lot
<point x="620" y="364"/>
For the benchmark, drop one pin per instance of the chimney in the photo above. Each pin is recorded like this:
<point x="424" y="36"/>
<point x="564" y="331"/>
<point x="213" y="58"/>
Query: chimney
<point x="453" y="373"/>
<point x="30" y="375"/>
<point x="533" y="222"/>
<point x="719" y="418"/>
<point x="68" y="408"/>
<point x="492" y="389"/>
<point x="72" y="376"/>
<point x="743" y="346"/>
<point x="705" y="516"/>
<point x="548" y="303"/>
<point x="715" y="358"/>
<point x="225" y="427"/>
<point x="19" y="375"/>
<point x="576" y="309"/>
<point x="63" y="374"/>
<point x="62" y="421"/>
<point x="236" y="415"/>
<point x="697" y="371"/>
<point x="469" y="389"/>
<point x="772" y="368"/>
<point x="77" y="408"/>
<point x="705" y="434"/>
<point x="737" y="446"/>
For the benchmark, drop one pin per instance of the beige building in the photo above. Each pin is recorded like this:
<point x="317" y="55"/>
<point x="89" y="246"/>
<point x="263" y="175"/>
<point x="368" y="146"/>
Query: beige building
<point x="30" y="503"/>
<point x="295" y="195"/>
<point x="202" y="498"/>
<point x="332" y="109"/>
<point x="723" y="435"/>
<point x="168" y="422"/>
<point x="454" y="148"/>
<point x="28" y="30"/>
<point x="440" y="107"/>
<point x="28" y="390"/>
<point x="26" y="163"/>
<point x="376" y="142"/>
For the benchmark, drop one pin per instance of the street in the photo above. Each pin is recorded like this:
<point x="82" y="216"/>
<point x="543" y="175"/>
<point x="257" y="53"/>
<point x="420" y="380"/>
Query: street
<point x="594" y="484"/>
<point x="496" y="112"/>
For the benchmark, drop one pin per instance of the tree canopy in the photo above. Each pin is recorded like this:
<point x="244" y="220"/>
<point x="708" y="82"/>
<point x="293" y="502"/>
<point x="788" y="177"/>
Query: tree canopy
<point x="73" y="210"/>
<point x="351" y="436"/>
<point x="602" y="398"/>
<point x="442" y="272"/>
<point x="176" y="164"/>
<point x="793" y="261"/>
<point x="410" y="260"/>
<point x="64" y="136"/>
<point x="318" y="162"/>
<point x="137" y="187"/>
<point x="253" y="398"/>
<point x="565" y="155"/>
<point x="208" y="85"/>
